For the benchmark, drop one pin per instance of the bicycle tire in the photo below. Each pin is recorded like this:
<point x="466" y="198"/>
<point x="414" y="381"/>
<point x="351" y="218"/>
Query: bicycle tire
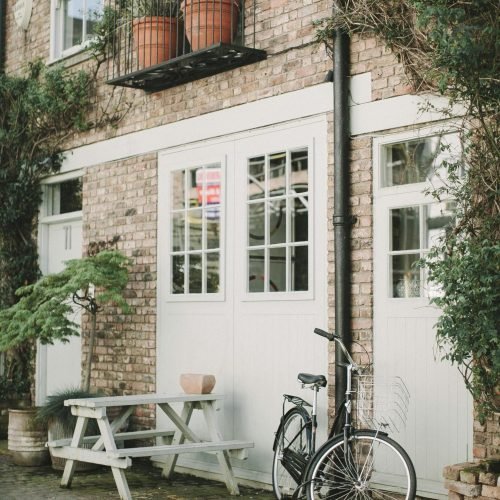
<point x="292" y="450"/>
<point x="375" y="467"/>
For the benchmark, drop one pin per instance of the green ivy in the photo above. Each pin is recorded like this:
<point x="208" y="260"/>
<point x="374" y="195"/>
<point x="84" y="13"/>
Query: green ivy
<point x="39" y="111"/>
<point x="452" y="47"/>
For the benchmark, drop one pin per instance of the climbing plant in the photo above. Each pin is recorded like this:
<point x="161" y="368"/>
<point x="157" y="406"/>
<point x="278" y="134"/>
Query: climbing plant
<point x="451" y="47"/>
<point x="41" y="109"/>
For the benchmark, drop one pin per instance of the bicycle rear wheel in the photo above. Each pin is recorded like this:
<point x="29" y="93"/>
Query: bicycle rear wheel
<point x="373" y="466"/>
<point x="291" y="452"/>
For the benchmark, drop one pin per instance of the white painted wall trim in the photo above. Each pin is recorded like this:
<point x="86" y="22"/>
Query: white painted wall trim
<point x="401" y="111"/>
<point x="273" y="110"/>
<point x="366" y="117"/>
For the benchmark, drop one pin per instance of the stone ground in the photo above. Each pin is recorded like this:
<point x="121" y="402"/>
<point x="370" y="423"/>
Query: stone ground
<point x="145" y="483"/>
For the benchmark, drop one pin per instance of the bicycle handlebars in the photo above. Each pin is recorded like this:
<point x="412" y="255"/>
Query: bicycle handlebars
<point x="336" y="338"/>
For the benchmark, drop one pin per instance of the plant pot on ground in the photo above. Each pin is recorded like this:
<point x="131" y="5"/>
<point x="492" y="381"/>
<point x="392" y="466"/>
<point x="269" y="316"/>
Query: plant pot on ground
<point x="61" y="423"/>
<point x="208" y="22"/>
<point x="27" y="438"/>
<point x="155" y="31"/>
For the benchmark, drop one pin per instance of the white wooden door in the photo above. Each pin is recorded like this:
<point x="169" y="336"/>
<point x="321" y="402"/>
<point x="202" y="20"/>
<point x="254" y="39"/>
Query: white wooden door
<point x="266" y="195"/>
<point x="406" y="222"/>
<point x="59" y="365"/>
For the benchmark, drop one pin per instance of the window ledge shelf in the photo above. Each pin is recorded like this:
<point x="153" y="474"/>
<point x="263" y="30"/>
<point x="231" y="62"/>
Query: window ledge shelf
<point x="189" y="67"/>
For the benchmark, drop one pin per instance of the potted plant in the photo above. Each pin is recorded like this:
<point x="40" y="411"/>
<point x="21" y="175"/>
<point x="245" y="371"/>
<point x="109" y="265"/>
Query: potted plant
<point x="60" y="423"/>
<point x="45" y="308"/>
<point x="208" y="22"/>
<point x="154" y="29"/>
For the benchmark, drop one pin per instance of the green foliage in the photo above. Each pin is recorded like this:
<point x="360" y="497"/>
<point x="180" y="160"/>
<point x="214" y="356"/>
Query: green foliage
<point x="39" y="111"/>
<point x="13" y="388"/>
<point x="451" y="47"/>
<point x="45" y="308"/>
<point x="54" y="409"/>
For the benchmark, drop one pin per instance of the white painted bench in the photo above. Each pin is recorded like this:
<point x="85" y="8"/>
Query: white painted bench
<point x="104" y="449"/>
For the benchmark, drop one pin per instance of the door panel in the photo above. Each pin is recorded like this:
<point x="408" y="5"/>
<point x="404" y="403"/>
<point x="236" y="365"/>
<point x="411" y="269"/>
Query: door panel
<point x="63" y="242"/>
<point x="439" y="426"/>
<point x="253" y="336"/>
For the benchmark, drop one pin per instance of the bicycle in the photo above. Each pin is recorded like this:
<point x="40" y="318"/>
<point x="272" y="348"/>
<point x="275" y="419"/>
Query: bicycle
<point x="352" y="463"/>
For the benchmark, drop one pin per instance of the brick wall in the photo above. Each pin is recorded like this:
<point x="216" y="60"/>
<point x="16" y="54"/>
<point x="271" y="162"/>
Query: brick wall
<point x="120" y="198"/>
<point x="487" y="438"/>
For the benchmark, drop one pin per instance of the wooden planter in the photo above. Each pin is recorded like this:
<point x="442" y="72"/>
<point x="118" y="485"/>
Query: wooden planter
<point x="155" y="39"/>
<point x="27" y="438"/>
<point x="208" y="22"/>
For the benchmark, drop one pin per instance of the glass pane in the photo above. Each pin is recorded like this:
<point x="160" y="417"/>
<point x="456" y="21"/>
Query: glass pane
<point x="178" y="231"/>
<point x="256" y="225"/>
<point x="208" y="185"/>
<point x="256" y="271"/>
<point x="410" y="162"/>
<point x="299" y="268"/>
<point x="405" y="228"/>
<point x="72" y="23"/>
<point x="298" y="177"/>
<point x="178" y="189"/>
<point x="277" y="221"/>
<point x="195" y="273"/>
<point x="256" y="178"/>
<point x="276" y="174"/>
<point x="195" y="228"/>
<point x="195" y="187"/>
<point x="94" y="8"/>
<point x="213" y="272"/>
<point x="405" y="276"/>
<point x="178" y="274"/>
<point x="300" y="218"/>
<point x="439" y="218"/>
<point x="277" y="270"/>
<point x="65" y="197"/>
<point x="212" y="220"/>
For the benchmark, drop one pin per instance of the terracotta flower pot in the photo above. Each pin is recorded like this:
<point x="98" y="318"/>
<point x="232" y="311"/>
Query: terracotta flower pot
<point x="155" y="39"/>
<point x="208" y="22"/>
<point x="197" y="383"/>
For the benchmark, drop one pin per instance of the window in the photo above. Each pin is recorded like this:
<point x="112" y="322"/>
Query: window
<point x="412" y="161"/>
<point x="74" y="23"/>
<point x="413" y="230"/>
<point x="277" y="249"/>
<point x="195" y="211"/>
<point x="64" y="197"/>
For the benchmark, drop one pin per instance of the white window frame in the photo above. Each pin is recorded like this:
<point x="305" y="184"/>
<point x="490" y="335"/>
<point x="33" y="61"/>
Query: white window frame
<point x="404" y="196"/>
<point x="292" y="140"/>
<point x="164" y="196"/>
<point x="267" y="246"/>
<point x="56" y="33"/>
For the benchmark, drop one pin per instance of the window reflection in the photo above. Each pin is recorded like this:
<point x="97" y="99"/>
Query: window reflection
<point x="277" y="269"/>
<point x="278" y="222"/>
<point x="414" y="230"/>
<point x="410" y="161"/>
<point x="405" y="228"/>
<point x="405" y="276"/>
<point x="65" y="197"/>
<point x="195" y="205"/>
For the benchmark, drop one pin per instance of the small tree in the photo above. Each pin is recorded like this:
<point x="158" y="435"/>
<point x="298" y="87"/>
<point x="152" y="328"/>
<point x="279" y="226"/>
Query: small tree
<point x="45" y="309"/>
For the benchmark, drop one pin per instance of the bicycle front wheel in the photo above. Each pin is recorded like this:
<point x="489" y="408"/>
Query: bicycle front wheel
<point x="371" y="466"/>
<point x="291" y="452"/>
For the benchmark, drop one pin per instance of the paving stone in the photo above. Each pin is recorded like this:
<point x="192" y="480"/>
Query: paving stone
<point x="145" y="482"/>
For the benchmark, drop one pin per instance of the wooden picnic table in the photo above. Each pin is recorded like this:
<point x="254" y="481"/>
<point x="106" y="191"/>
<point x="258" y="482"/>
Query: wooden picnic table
<point x="105" y="451"/>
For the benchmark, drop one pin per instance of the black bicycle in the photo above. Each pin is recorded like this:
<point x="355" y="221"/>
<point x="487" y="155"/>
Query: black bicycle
<point x="352" y="463"/>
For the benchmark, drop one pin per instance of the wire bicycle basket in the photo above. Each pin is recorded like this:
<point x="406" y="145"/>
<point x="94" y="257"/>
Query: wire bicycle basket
<point x="381" y="403"/>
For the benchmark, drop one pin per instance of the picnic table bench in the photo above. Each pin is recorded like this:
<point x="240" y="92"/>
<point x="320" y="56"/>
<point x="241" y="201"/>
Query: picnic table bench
<point x="105" y="451"/>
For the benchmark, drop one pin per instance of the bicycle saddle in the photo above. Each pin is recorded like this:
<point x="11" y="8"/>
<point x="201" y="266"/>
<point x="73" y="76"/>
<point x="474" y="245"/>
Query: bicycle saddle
<point x="307" y="378"/>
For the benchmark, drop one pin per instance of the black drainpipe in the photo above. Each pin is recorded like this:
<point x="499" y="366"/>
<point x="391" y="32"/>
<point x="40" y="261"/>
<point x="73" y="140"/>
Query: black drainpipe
<point x="341" y="217"/>
<point x="2" y="35"/>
